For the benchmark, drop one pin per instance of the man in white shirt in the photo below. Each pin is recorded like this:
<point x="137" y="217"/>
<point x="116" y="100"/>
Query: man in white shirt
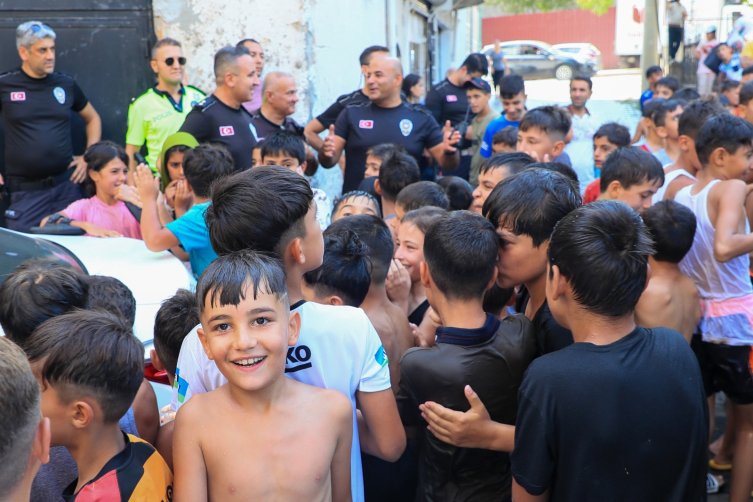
<point x="584" y="126"/>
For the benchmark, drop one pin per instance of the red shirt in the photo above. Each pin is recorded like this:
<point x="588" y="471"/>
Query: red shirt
<point x="592" y="191"/>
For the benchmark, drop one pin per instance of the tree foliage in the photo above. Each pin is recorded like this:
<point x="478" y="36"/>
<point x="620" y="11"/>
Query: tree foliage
<point x="598" y="7"/>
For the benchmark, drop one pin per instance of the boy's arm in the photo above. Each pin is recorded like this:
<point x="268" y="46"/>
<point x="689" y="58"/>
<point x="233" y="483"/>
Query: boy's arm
<point x="728" y="243"/>
<point x="156" y="237"/>
<point x="340" y="469"/>
<point x="190" y="480"/>
<point x="519" y="494"/>
<point x="380" y="429"/>
<point x="165" y="443"/>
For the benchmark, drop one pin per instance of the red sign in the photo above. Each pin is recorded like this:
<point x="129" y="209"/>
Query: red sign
<point x="366" y="124"/>
<point x="18" y="96"/>
<point x="227" y="131"/>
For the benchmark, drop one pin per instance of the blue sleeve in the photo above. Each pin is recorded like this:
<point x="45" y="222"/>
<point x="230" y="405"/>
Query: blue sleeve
<point x="190" y="229"/>
<point x="486" y="145"/>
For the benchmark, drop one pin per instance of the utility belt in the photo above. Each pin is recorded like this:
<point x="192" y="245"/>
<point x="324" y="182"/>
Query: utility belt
<point x="19" y="185"/>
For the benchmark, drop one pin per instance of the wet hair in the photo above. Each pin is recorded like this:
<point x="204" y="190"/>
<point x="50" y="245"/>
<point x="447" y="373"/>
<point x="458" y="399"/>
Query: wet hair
<point x="650" y="106"/>
<point x="204" y="165"/>
<point x="230" y="277"/>
<point x="90" y="354"/>
<point x="460" y="249"/>
<point x="615" y="133"/>
<point x="496" y="298"/>
<point x="226" y="59"/>
<point x="176" y="317"/>
<point x="510" y="86"/>
<point x="409" y="81"/>
<point x="165" y="42"/>
<point x="660" y="114"/>
<point x="630" y="166"/>
<point x="376" y="235"/>
<point x="365" y="57"/>
<point x="423" y="217"/>
<point x="513" y="162"/>
<point x="559" y="167"/>
<point x="97" y="157"/>
<point x="697" y="113"/>
<point x="604" y="239"/>
<point x="420" y="194"/>
<point x="672" y="227"/>
<point x="670" y="83"/>
<point x="384" y="150"/>
<point x="37" y="291"/>
<point x="551" y="120"/>
<point x="507" y="136"/>
<point x="261" y="209"/>
<point x="476" y="62"/>
<point x="729" y="85"/>
<point x="531" y="203"/>
<point x="458" y="191"/>
<point x="353" y="195"/>
<point x="722" y="131"/>
<point x="345" y="270"/>
<point x="746" y="92"/>
<point x="653" y="69"/>
<point x="284" y="143"/>
<point x="397" y="172"/>
<point x="686" y="95"/>
<point x="111" y="295"/>
<point x="584" y="78"/>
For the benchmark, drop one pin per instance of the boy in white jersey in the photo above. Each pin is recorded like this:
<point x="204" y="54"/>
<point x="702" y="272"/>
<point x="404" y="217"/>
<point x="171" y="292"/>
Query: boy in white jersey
<point x="718" y="263"/>
<point x="270" y="209"/>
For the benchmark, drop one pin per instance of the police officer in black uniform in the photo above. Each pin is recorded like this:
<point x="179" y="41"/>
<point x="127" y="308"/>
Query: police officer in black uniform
<point x="42" y="175"/>
<point x="220" y="118"/>
<point x="278" y="98"/>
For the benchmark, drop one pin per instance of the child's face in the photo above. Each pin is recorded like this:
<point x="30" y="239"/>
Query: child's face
<point x="655" y="77"/>
<point x="602" y="148"/>
<point x="501" y="147"/>
<point x="372" y="166"/>
<point x="737" y="165"/>
<point x="672" y="122"/>
<point x="110" y="177"/>
<point x="175" y="166"/>
<point x="514" y="108"/>
<point x="746" y="111"/>
<point x="249" y="341"/>
<point x="638" y="197"/>
<point x="733" y="95"/>
<point x="519" y="260"/>
<point x="285" y="160"/>
<point x="486" y="183"/>
<point x="477" y="99"/>
<point x="724" y="52"/>
<point x="353" y="206"/>
<point x="409" y="250"/>
<point x="663" y="91"/>
<point x="534" y="140"/>
<point x="256" y="157"/>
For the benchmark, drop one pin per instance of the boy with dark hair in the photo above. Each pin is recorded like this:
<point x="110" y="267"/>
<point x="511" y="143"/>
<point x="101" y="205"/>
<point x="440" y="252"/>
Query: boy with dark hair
<point x="505" y="140"/>
<point x="718" y="263"/>
<point x="542" y="132"/>
<point x="421" y="194"/>
<point x="608" y="138"/>
<point x="653" y="74"/>
<point x="495" y="169"/>
<point x="558" y="167"/>
<point x="745" y="106"/>
<point x="666" y="87"/>
<point x="247" y="329"/>
<point x="397" y="172"/>
<point x="647" y="129"/>
<point x="730" y="67"/>
<point x="512" y="92"/>
<point x="202" y="166"/>
<point x="460" y="251"/>
<point x="111" y="295"/>
<point x="671" y="299"/>
<point x="270" y="209"/>
<point x="619" y="442"/>
<point x="376" y="155"/>
<point x="458" y="191"/>
<point x="90" y="367"/>
<point x="686" y="95"/>
<point x="665" y="119"/>
<point x="731" y="89"/>
<point x="479" y="92"/>
<point x="632" y="176"/>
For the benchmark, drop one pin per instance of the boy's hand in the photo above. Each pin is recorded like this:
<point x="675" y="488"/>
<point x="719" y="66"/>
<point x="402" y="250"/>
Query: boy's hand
<point x="456" y="428"/>
<point x="166" y="415"/>
<point x="535" y="156"/>
<point x="328" y="148"/>
<point x="183" y="197"/>
<point x="398" y="283"/>
<point x="170" y="190"/>
<point x="451" y="138"/>
<point x="147" y="184"/>
<point x="127" y="193"/>
<point x="96" y="231"/>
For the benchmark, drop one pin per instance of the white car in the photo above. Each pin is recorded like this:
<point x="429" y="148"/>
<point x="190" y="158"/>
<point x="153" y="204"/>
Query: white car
<point x="584" y="52"/>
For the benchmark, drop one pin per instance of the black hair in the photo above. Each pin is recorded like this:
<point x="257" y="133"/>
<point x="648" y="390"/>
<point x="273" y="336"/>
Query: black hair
<point x="384" y="150"/>
<point x="111" y="295"/>
<point x="617" y="134"/>
<point x="531" y="203"/>
<point x="608" y="240"/>
<point x="243" y="42"/>
<point x="365" y="56"/>
<point x="37" y="291"/>
<point x="552" y="120"/>
<point x="697" y="113"/>
<point x="204" y="165"/>
<point x="653" y="69"/>
<point x="514" y="162"/>
<point x="672" y="227"/>
<point x="227" y="57"/>
<point x="376" y="235"/>
<point x="507" y="136"/>
<point x="728" y="85"/>
<point x="724" y="100"/>
<point x="175" y="149"/>
<point x="660" y="114"/>
<point x="228" y="278"/>
<point x="669" y="82"/>
<point x="420" y="194"/>
<point x="409" y="81"/>
<point x="176" y="317"/>
<point x="561" y="168"/>
<point x="460" y="249"/>
<point x="93" y="354"/>
<point x="98" y="156"/>
<point x="510" y="86"/>
<point x="261" y="209"/>
<point x="284" y="143"/>
<point x="423" y="217"/>
<point x="458" y="191"/>
<point x="650" y="106"/>
<point x="476" y="62"/>
<point x="397" y="172"/>
<point x="748" y="71"/>
<point x="345" y="270"/>
<point x="496" y="298"/>
<point x="686" y="94"/>
<point x="630" y="166"/>
<point x="584" y="78"/>
<point x="721" y="44"/>
<point x="352" y="195"/>
<point x="722" y="131"/>
<point x="746" y="92"/>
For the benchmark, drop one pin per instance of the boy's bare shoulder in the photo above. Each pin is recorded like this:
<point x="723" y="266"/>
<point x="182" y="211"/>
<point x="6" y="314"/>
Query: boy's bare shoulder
<point x="200" y="406"/>
<point x="331" y="401"/>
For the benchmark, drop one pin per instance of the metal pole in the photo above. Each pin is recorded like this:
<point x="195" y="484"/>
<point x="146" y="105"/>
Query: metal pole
<point x="650" y="54"/>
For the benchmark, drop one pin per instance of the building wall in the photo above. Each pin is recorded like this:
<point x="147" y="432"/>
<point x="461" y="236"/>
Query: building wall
<point x="566" y="26"/>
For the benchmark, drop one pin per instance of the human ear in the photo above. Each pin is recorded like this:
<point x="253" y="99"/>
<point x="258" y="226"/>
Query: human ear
<point x="423" y="269"/>
<point x="302" y="168"/>
<point x="41" y="448"/>
<point x="154" y="358"/>
<point x="684" y="143"/>
<point x="648" y="276"/>
<point x="718" y="156"/>
<point x="559" y="284"/>
<point x="493" y="279"/>
<point x="661" y="131"/>
<point x="153" y="64"/>
<point x="296" y="251"/>
<point x="335" y="301"/>
<point x="204" y="342"/>
<point x="294" y="327"/>
<point x="614" y="190"/>
<point x="377" y="186"/>
<point x="81" y="413"/>
<point x="557" y="149"/>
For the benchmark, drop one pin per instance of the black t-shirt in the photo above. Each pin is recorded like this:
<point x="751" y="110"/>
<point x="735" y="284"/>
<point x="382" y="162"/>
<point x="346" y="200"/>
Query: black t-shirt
<point x="492" y="360"/>
<point x="329" y="117"/>
<point x="446" y="101"/>
<point x="213" y="121"/>
<point x="418" y="313"/>
<point x="262" y="127"/>
<point x="550" y="336"/>
<point x="36" y="114"/>
<point x="624" y="421"/>
<point x="365" y="125"/>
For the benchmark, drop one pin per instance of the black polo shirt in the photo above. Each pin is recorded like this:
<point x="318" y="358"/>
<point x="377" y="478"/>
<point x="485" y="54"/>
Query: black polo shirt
<point x="213" y="121"/>
<point x="329" y="117"/>
<point x="36" y="115"/>
<point x="365" y="125"/>
<point x="446" y="101"/>
<point x="262" y="127"/>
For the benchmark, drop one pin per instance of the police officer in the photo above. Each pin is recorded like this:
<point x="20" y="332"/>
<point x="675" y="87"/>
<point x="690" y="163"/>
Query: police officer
<point x="385" y="119"/>
<point x="220" y="118"/>
<point x="36" y="101"/>
<point x="279" y="96"/>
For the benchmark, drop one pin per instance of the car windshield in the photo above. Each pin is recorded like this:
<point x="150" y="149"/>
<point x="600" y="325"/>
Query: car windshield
<point x="17" y="248"/>
<point x="571" y="50"/>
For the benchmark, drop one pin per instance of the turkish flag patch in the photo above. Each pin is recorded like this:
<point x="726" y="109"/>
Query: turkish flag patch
<point x="366" y="124"/>
<point x="227" y="131"/>
<point x="18" y="96"/>
<point x="451" y="98"/>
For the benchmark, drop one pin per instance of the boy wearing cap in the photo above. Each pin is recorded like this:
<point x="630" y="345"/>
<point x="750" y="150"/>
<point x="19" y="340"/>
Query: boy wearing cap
<point x="479" y="92"/>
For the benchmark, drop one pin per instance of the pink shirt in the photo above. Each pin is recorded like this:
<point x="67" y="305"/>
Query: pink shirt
<point x="255" y="103"/>
<point x="116" y="217"/>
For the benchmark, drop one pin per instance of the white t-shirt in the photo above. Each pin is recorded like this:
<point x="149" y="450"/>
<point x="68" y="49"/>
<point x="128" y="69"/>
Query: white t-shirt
<point x="338" y="348"/>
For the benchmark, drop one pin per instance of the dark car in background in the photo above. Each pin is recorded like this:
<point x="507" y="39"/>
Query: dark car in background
<point x="536" y="59"/>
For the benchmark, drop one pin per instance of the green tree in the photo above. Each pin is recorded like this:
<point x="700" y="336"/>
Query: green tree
<point x="598" y="7"/>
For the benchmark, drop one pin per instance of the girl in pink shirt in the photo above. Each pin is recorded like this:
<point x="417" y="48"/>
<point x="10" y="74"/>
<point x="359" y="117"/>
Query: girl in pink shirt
<point x="102" y="215"/>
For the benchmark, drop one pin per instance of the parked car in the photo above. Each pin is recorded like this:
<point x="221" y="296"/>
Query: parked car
<point x="536" y="59"/>
<point x="585" y="53"/>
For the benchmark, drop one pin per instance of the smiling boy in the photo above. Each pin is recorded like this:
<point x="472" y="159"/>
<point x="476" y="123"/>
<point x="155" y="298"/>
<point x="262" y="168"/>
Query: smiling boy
<point x="631" y="175"/>
<point x="512" y="91"/>
<point x="479" y="92"/>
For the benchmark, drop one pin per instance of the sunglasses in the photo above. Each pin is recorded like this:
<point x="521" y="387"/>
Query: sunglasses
<point x="170" y="61"/>
<point x="37" y="27"/>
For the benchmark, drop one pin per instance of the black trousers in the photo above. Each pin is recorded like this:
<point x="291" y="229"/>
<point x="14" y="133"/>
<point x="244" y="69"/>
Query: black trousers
<point x="675" y="39"/>
<point x="496" y="77"/>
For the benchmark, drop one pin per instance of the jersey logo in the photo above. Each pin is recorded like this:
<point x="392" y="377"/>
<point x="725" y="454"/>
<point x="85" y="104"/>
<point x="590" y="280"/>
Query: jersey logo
<point x="59" y="94"/>
<point x="227" y="131"/>
<point x="18" y="96"/>
<point x="451" y="98"/>
<point x="406" y="126"/>
<point x="253" y="131"/>
<point x="181" y="385"/>
<point x="298" y="359"/>
<point x="381" y="357"/>
<point x="366" y="124"/>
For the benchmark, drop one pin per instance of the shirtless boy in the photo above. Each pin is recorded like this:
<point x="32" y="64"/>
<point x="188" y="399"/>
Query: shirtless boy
<point x="224" y="438"/>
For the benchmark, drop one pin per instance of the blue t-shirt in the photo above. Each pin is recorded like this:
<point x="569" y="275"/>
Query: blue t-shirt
<point x="193" y="234"/>
<point x="733" y="70"/>
<point x="663" y="157"/>
<point x="493" y="128"/>
<point x="649" y="94"/>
